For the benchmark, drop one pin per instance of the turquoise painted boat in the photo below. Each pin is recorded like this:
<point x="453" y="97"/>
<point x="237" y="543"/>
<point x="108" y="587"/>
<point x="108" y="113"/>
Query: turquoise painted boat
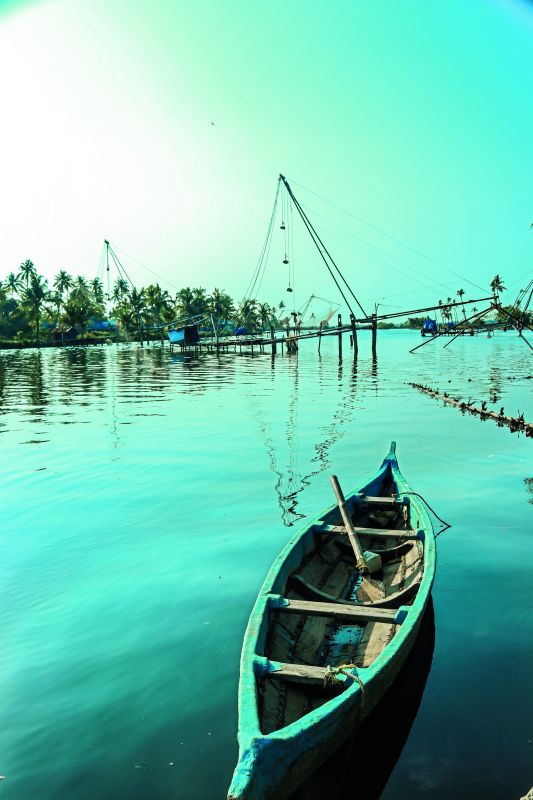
<point x="324" y="643"/>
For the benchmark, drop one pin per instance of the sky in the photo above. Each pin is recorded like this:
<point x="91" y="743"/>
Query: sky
<point x="405" y="130"/>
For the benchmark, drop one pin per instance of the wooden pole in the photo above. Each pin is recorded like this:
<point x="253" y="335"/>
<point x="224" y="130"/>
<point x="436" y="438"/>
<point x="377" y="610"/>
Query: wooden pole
<point x="374" y="334"/>
<point x="339" y="325"/>
<point x="354" y="336"/>
<point x="360" y="562"/>
<point x="273" y="337"/>
<point x="319" y="337"/>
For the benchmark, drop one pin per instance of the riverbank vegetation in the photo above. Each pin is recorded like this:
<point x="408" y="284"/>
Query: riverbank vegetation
<point x="36" y="311"/>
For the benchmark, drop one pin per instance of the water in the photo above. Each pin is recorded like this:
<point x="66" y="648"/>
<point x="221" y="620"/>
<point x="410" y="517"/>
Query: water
<point x="144" y="498"/>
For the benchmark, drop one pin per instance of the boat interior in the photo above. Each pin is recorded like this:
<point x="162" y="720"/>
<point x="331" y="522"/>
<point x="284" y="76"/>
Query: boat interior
<point x="336" y="616"/>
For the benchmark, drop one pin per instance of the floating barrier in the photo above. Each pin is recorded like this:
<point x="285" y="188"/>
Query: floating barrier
<point x="513" y="423"/>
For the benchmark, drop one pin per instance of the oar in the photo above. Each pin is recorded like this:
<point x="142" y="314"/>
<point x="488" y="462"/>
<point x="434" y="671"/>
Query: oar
<point x="373" y="591"/>
<point x="360" y="561"/>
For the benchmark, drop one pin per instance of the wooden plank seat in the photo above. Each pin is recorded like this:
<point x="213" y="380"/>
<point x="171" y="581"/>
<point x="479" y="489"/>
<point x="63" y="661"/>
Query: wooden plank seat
<point x="378" y="533"/>
<point x="340" y="611"/>
<point x="304" y="673"/>
<point x="364" y="498"/>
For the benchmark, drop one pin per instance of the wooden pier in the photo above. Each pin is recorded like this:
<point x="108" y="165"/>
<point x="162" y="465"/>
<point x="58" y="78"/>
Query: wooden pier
<point x="289" y="341"/>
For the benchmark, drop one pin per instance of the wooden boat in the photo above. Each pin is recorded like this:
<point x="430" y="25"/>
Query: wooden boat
<point x="323" y="642"/>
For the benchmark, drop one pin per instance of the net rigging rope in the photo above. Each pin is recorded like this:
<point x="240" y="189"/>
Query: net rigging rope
<point x="387" y="235"/>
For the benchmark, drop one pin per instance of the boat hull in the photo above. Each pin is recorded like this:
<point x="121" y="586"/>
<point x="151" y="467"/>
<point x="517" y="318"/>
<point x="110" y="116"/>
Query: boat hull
<point x="273" y="765"/>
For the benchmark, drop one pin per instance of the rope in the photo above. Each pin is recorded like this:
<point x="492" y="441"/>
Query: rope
<point x="263" y="256"/>
<point x="330" y="677"/>
<point x="446" y="524"/>
<point x="387" y="235"/>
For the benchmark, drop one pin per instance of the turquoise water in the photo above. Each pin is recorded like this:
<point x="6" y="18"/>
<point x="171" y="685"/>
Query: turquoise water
<point x="144" y="498"/>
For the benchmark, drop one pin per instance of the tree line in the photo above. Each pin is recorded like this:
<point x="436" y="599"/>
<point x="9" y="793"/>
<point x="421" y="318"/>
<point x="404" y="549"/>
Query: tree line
<point x="31" y="307"/>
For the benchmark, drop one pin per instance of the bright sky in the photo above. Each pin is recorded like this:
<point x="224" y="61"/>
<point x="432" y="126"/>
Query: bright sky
<point x="415" y="117"/>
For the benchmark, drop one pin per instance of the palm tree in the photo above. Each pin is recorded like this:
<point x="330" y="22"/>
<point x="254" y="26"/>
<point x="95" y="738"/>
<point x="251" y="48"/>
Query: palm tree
<point x="220" y="305"/>
<point x="137" y="306"/>
<point x="192" y="302"/>
<point x="451" y="315"/>
<point x="460" y="293"/>
<point x="80" y="288"/>
<point x="265" y="313"/>
<point x="184" y="302"/>
<point x="13" y="283"/>
<point x="27" y="268"/>
<point x="120" y="289"/>
<point x="62" y="282"/>
<point x="56" y="300"/>
<point x="33" y="298"/>
<point x="77" y="310"/>
<point x="200" y="303"/>
<point x="157" y="304"/>
<point x="247" y="314"/>
<point x="97" y="290"/>
<point x="497" y="286"/>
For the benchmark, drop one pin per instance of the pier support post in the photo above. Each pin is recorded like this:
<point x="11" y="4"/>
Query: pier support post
<point x="374" y="334"/>
<point x="273" y="337"/>
<point x="354" y="336"/>
<point x="319" y="337"/>
<point x="339" y="325"/>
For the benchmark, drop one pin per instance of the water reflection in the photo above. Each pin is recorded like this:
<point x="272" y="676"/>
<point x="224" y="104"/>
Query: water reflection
<point x="291" y="480"/>
<point x="361" y="768"/>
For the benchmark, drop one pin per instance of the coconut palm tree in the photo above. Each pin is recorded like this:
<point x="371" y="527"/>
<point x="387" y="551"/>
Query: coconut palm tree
<point x="62" y="282"/>
<point x="451" y="315"/>
<point x="265" y="313"/>
<point x="200" y="303"/>
<point x="460" y="293"/>
<point x="80" y="287"/>
<point x="13" y="283"/>
<point x="192" y="302"/>
<point x="77" y="310"/>
<point x="247" y="315"/>
<point x="221" y="306"/>
<point x="136" y="302"/>
<point x="157" y="304"/>
<point x="97" y="291"/>
<point x="497" y="286"/>
<point x="120" y="289"/>
<point x="33" y="297"/>
<point x="26" y="270"/>
<point x="184" y="303"/>
<point x="55" y="300"/>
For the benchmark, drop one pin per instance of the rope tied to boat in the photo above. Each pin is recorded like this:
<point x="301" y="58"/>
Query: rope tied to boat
<point x="330" y="676"/>
<point x="445" y="524"/>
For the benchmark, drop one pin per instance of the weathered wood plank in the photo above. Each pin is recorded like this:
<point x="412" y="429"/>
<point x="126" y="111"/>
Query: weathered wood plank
<point x="340" y="611"/>
<point x="299" y="672"/>
<point x="386" y="500"/>
<point x="379" y="533"/>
